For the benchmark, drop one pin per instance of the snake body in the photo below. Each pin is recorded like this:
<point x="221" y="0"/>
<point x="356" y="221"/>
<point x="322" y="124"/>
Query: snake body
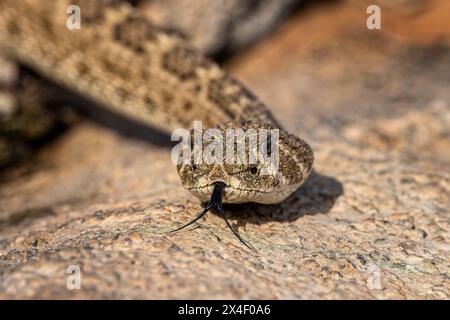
<point x="125" y="63"/>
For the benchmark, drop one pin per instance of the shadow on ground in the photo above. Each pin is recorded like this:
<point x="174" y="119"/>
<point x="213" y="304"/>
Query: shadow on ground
<point x="317" y="196"/>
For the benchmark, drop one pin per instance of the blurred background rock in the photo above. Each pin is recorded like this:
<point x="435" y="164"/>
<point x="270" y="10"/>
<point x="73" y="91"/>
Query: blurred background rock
<point x="374" y="104"/>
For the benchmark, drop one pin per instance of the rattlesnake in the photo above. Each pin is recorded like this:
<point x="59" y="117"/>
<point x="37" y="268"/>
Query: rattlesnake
<point x="121" y="61"/>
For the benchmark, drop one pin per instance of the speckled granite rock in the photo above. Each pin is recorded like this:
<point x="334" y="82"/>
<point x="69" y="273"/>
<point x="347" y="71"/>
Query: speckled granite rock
<point x="105" y="208"/>
<point x="373" y="220"/>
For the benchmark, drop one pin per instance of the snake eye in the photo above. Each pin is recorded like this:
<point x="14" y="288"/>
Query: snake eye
<point x="253" y="170"/>
<point x="194" y="167"/>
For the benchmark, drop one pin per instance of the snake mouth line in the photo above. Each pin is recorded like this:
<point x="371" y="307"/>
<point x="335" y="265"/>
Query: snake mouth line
<point x="227" y="187"/>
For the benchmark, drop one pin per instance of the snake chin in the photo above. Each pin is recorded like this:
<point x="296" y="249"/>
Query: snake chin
<point x="230" y="194"/>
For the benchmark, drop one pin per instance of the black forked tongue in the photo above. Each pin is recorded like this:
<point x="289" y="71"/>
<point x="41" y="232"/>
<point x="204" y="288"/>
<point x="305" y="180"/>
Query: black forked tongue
<point x="216" y="203"/>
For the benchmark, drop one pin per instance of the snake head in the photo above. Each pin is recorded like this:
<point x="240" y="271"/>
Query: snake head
<point x="286" y="164"/>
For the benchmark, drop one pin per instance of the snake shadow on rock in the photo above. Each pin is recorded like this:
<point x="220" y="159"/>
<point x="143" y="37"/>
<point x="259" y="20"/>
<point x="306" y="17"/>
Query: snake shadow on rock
<point x="316" y="196"/>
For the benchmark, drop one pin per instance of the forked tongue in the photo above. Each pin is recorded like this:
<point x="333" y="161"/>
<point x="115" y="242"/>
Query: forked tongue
<point x="216" y="202"/>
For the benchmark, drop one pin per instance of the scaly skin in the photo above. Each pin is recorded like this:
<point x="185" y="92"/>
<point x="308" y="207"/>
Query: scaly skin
<point x="135" y="69"/>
